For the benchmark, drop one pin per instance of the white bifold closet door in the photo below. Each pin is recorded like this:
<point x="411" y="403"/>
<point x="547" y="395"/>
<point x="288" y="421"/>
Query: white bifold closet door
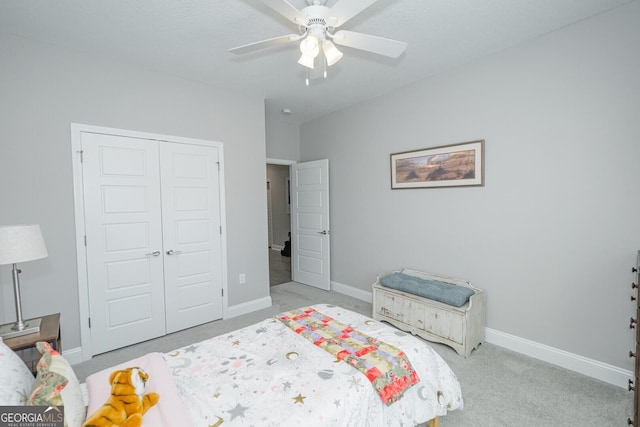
<point x="191" y="235"/>
<point x="152" y="217"/>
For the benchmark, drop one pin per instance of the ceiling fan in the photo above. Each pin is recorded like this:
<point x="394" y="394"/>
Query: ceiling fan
<point x="317" y="25"/>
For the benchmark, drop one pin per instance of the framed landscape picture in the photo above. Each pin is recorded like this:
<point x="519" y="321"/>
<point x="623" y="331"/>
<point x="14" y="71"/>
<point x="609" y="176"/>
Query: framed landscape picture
<point x="454" y="165"/>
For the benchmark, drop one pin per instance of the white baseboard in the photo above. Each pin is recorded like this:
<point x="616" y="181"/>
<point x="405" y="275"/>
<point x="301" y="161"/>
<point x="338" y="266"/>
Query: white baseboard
<point x="574" y="362"/>
<point x="352" y="292"/>
<point x="583" y="365"/>
<point x="73" y="355"/>
<point x="275" y="247"/>
<point x="248" y="307"/>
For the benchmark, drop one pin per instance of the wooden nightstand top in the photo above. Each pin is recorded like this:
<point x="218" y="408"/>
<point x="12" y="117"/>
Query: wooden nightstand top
<point x="49" y="331"/>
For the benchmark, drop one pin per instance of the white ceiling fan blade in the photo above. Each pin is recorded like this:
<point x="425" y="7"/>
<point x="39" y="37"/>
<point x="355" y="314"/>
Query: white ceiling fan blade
<point x="252" y="47"/>
<point x="286" y="9"/>
<point x="344" y="10"/>
<point x="373" y="44"/>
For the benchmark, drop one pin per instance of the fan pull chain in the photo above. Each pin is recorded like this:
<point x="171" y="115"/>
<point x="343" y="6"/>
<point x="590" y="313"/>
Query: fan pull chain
<point x="324" y="61"/>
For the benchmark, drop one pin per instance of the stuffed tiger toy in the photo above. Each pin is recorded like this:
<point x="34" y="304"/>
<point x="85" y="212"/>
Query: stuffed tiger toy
<point x="127" y="403"/>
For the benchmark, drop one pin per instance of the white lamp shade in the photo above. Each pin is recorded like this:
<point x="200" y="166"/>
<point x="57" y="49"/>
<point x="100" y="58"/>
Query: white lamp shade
<point x="307" y="61"/>
<point x="20" y="243"/>
<point x="331" y="52"/>
<point x="309" y="46"/>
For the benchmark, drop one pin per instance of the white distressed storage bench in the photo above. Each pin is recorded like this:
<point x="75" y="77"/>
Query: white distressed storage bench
<point x="461" y="328"/>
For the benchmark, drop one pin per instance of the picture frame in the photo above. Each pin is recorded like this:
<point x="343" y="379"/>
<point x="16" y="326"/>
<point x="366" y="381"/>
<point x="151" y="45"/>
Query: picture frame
<point x="455" y="165"/>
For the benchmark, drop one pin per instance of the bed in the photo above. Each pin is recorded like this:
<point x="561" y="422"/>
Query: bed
<point x="271" y="374"/>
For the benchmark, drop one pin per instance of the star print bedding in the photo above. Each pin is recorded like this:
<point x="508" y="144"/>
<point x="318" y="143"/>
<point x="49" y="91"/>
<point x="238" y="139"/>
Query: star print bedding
<point x="268" y="375"/>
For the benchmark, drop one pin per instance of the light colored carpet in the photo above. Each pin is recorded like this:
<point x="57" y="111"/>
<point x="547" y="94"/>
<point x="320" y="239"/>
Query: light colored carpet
<point x="500" y="387"/>
<point x="279" y="268"/>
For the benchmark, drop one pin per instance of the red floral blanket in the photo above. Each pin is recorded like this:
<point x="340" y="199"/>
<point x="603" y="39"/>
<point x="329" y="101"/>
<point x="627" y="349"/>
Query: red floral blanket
<point x="386" y="366"/>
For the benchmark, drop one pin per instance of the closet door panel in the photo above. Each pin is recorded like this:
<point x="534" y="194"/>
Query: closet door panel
<point x="191" y="234"/>
<point x="123" y="228"/>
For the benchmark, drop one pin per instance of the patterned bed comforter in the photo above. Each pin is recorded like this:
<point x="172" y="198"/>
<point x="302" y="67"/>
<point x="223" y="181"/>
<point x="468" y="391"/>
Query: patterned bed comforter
<point x="267" y="375"/>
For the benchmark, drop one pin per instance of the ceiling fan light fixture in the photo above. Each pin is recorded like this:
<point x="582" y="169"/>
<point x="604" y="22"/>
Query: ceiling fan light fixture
<point x="331" y="52"/>
<point x="309" y="46"/>
<point x="317" y="24"/>
<point x="306" y="60"/>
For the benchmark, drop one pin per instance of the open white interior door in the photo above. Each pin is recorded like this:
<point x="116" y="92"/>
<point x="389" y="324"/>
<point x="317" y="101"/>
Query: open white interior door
<point x="310" y="235"/>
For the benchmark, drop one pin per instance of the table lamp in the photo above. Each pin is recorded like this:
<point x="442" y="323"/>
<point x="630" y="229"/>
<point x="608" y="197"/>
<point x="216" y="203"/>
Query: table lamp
<point x="20" y="243"/>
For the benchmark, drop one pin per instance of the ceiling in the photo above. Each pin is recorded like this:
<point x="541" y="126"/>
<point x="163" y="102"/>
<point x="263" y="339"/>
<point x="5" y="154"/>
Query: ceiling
<point x="190" y="38"/>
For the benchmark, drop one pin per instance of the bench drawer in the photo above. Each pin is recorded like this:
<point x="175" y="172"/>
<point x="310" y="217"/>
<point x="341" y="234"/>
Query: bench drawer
<point x="444" y="323"/>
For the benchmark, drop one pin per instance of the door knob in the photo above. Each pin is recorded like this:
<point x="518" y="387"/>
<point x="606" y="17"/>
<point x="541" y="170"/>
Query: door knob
<point x="154" y="253"/>
<point x="325" y="232"/>
<point x="172" y="252"/>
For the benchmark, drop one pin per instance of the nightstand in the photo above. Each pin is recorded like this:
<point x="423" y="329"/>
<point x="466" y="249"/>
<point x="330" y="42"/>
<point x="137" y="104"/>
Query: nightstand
<point x="25" y="345"/>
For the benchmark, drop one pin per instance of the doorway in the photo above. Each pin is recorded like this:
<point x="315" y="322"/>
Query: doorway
<point x="279" y="216"/>
<point x="307" y="207"/>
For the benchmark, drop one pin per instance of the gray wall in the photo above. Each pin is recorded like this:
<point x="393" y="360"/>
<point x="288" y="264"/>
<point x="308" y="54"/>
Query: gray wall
<point x="282" y="135"/>
<point x="43" y="90"/>
<point x="554" y="232"/>
<point x="281" y="220"/>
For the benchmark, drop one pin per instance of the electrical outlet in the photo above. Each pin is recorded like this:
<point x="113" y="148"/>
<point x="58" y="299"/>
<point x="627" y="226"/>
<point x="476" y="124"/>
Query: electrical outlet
<point x="242" y="278"/>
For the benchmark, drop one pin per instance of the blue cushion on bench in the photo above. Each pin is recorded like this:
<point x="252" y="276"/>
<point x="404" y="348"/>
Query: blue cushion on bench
<point x="456" y="296"/>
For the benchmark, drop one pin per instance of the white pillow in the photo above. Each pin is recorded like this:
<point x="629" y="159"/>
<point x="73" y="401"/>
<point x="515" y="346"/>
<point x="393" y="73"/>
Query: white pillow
<point x="16" y="381"/>
<point x="57" y="384"/>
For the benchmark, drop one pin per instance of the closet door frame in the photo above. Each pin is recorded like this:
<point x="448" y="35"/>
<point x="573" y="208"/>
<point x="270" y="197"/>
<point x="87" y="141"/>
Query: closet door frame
<point x="77" y="130"/>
